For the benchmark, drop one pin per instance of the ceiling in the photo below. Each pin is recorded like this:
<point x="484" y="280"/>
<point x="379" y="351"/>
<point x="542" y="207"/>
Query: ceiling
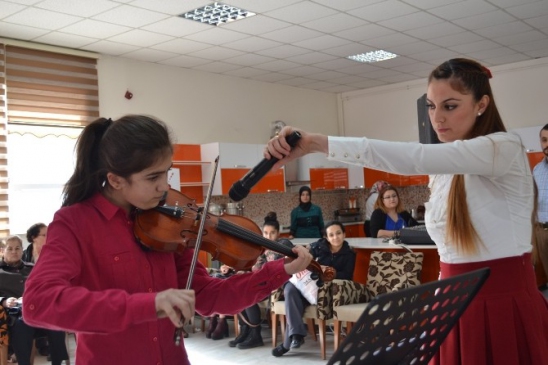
<point x="292" y="42"/>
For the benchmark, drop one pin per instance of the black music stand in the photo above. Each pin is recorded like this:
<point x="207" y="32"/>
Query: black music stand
<point x="409" y="325"/>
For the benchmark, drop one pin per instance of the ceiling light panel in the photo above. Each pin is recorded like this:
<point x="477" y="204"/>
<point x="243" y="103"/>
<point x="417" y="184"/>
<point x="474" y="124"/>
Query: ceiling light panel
<point x="374" y="56"/>
<point x="217" y="14"/>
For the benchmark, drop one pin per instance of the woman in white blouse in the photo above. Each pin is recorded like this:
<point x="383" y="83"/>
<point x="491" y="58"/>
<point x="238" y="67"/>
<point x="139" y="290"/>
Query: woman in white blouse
<point x="479" y="213"/>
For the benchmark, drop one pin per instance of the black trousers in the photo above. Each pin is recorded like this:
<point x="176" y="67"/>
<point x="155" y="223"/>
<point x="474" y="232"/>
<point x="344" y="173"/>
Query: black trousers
<point x="22" y="336"/>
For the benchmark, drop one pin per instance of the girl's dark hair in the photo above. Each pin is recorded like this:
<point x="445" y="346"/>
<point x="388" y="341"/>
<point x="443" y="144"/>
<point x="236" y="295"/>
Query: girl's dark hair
<point x="468" y="77"/>
<point x="333" y="223"/>
<point x="271" y="220"/>
<point x="123" y="147"/>
<point x="34" y="231"/>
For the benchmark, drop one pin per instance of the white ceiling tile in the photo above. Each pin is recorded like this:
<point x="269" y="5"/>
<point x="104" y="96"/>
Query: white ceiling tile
<point x="435" y="55"/>
<point x="359" y="68"/>
<point x="339" y="89"/>
<point x="532" y="10"/>
<point x="110" y="48"/>
<point x="180" y="46"/>
<point x="130" y="16"/>
<point x="429" y="4"/>
<point x="414" y="67"/>
<point x="423" y="74"/>
<point x="257" y="25"/>
<point x="295" y="81"/>
<point x="168" y="7"/>
<point x="434" y="31"/>
<point x="65" y="40"/>
<point x="349" y="50"/>
<point x="176" y="27"/>
<point x="456" y="39"/>
<point x="292" y="34"/>
<point x="539" y="21"/>
<point x="401" y="77"/>
<point x="184" y="61"/>
<point x="491" y="53"/>
<point x="40" y="18"/>
<point x="511" y="3"/>
<point x="320" y="85"/>
<point x="94" y="29"/>
<point x="383" y="10"/>
<point x="395" y="62"/>
<point x="335" y="23"/>
<point x="277" y="65"/>
<point x="516" y="57"/>
<point x="537" y="53"/>
<point x="322" y="42"/>
<point x="216" y="53"/>
<point x="217" y="67"/>
<point x="531" y="46"/>
<point x="347" y="79"/>
<point x="245" y="72"/>
<point x="485" y="20"/>
<point x="272" y="77"/>
<point x="335" y="64"/>
<point x="392" y="40"/>
<point x="252" y="44"/>
<point x="462" y="9"/>
<point x="301" y="12"/>
<point x="261" y="6"/>
<point x="150" y="55"/>
<point x="83" y="8"/>
<point x="249" y="59"/>
<point x="363" y="32"/>
<point x="283" y="51"/>
<point x="311" y="58"/>
<point x="411" y="21"/>
<point x="140" y="38"/>
<point x="411" y="48"/>
<point x="520" y="38"/>
<point x="25" y="2"/>
<point x="504" y="29"/>
<point x="327" y="75"/>
<point x="217" y="36"/>
<point x="368" y="83"/>
<point x="484" y="44"/>
<point x="379" y="74"/>
<point x="303" y="71"/>
<point x="22" y="32"/>
<point x="348" y="4"/>
<point x="7" y="8"/>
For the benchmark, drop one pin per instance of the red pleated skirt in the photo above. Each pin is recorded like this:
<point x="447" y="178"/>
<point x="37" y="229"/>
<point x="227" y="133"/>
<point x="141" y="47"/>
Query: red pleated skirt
<point x="505" y="324"/>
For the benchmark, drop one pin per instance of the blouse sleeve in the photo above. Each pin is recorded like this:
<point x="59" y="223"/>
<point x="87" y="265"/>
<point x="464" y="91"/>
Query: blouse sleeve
<point x="378" y="220"/>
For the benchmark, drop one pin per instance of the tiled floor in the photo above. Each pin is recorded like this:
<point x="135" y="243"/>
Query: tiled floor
<point x="206" y="351"/>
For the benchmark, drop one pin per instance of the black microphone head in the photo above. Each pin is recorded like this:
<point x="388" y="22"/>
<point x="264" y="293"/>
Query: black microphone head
<point x="238" y="191"/>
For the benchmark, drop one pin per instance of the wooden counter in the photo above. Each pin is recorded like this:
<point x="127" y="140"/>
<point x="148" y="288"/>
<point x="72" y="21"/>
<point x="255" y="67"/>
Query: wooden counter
<point x="364" y="247"/>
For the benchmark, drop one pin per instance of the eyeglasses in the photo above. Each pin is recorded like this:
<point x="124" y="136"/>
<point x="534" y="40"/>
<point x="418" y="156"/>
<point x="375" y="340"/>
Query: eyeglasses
<point x="390" y="197"/>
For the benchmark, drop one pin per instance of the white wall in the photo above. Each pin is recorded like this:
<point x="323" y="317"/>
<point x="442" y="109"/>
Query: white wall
<point x="390" y="112"/>
<point x="202" y="107"/>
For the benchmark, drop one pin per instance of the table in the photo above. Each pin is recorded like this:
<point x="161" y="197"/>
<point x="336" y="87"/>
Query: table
<point x="364" y="247"/>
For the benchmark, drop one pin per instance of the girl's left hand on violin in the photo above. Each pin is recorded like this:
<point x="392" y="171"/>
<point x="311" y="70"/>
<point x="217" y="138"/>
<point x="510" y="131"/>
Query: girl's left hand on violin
<point x="298" y="264"/>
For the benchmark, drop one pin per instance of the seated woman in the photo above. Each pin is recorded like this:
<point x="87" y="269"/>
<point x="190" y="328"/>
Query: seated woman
<point x="370" y="205"/>
<point x="36" y="235"/>
<point x="389" y="215"/>
<point x="13" y="274"/>
<point x="250" y="318"/>
<point x="332" y="251"/>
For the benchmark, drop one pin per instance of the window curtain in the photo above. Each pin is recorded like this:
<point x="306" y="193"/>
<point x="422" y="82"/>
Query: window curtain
<point x="40" y="89"/>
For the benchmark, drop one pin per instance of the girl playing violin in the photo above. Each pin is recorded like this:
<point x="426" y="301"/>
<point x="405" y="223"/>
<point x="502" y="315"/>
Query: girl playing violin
<point x="93" y="278"/>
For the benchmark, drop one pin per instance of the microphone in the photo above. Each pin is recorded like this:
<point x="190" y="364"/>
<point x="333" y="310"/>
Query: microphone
<point x="241" y="188"/>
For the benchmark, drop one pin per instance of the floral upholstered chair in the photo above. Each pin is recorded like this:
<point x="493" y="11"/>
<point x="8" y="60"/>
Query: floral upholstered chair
<point x="388" y="271"/>
<point x="320" y="312"/>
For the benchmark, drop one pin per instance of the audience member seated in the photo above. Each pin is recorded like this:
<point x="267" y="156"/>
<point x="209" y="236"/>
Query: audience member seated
<point x="13" y="274"/>
<point x="370" y="205"/>
<point x="331" y="251"/>
<point x="389" y="215"/>
<point x="250" y="318"/>
<point x="36" y="235"/>
<point x="218" y="328"/>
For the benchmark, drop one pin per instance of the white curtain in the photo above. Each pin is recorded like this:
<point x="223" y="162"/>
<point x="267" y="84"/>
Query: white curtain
<point x="40" y="162"/>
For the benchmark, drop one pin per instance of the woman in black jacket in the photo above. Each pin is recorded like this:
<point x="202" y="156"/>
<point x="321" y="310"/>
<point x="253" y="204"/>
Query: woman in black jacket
<point x="332" y="251"/>
<point x="389" y="215"/>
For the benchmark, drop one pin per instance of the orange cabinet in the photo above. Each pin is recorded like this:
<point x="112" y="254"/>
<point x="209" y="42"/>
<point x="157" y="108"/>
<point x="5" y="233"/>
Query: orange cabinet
<point x="328" y="178"/>
<point x="271" y="182"/>
<point x="354" y="230"/>
<point x="371" y="176"/>
<point x="534" y="158"/>
<point x="186" y="158"/>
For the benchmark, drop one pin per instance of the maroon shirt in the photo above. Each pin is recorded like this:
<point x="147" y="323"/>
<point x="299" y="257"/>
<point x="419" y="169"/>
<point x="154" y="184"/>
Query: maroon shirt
<point x="94" y="279"/>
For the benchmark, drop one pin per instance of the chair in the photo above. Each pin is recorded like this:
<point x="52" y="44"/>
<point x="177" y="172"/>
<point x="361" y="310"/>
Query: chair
<point x="388" y="271"/>
<point x="320" y="312"/>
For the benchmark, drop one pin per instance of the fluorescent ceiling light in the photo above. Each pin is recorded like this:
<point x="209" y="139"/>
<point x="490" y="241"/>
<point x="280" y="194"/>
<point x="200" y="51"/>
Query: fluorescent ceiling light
<point x="374" y="56"/>
<point x="217" y="14"/>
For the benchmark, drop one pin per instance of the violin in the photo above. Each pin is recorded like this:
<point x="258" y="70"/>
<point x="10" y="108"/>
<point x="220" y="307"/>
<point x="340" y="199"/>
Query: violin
<point x="234" y="240"/>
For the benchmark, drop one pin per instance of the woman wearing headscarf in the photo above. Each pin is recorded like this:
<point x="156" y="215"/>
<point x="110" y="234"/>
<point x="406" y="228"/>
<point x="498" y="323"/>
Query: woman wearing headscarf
<point x="306" y="219"/>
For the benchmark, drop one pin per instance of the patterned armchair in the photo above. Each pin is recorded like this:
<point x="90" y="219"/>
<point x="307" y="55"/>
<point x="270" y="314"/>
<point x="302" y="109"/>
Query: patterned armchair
<point x="388" y="271"/>
<point x="320" y="312"/>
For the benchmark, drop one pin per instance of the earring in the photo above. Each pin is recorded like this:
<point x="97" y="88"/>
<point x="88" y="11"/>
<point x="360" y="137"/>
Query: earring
<point x="479" y="114"/>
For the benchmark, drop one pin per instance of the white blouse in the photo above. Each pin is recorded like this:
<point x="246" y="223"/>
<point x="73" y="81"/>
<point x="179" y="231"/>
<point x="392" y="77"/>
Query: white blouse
<point x="498" y="183"/>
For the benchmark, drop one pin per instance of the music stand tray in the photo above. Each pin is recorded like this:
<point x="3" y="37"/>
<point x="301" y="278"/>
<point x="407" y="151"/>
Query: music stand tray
<point x="409" y="325"/>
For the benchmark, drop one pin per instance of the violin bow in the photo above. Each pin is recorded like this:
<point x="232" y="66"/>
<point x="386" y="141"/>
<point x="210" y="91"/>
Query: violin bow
<point x="179" y="331"/>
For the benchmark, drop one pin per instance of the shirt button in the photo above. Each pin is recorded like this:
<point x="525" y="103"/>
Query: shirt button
<point x="116" y="258"/>
<point x="346" y="155"/>
<point x="358" y="157"/>
<point x="155" y="339"/>
<point x="150" y="290"/>
<point x="31" y="307"/>
<point x="332" y="154"/>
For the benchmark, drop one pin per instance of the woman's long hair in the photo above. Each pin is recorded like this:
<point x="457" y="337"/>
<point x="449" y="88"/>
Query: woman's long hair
<point x="123" y="147"/>
<point x="467" y="77"/>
